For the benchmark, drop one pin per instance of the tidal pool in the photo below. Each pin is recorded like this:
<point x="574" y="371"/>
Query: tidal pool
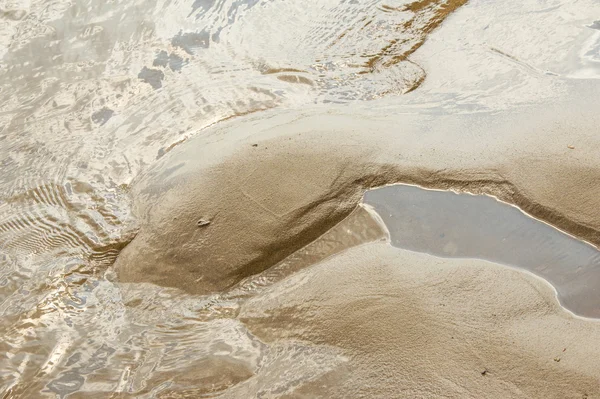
<point x="447" y="224"/>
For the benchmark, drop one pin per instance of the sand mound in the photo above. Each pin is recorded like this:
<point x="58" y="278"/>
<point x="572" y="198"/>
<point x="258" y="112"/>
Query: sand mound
<point x="206" y="224"/>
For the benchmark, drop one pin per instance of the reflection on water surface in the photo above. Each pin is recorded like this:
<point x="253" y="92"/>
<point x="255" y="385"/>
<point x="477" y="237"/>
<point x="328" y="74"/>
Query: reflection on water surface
<point x="454" y="225"/>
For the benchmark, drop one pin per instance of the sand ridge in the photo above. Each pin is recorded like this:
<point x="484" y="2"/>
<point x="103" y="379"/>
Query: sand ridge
<point x="270" y="183"/>
<point x="266" y="201"/>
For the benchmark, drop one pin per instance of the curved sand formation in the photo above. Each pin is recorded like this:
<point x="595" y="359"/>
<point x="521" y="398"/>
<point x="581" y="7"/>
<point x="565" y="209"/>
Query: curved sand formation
<point x="265" y="202"/>
<point x="271" y="183"/>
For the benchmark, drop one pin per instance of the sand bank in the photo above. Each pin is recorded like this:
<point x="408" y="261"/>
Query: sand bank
<point x="270" y="194"/>
<point x="246" y="193"/>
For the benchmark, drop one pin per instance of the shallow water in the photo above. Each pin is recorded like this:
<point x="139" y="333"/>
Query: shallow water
<point x="448" y="224"/>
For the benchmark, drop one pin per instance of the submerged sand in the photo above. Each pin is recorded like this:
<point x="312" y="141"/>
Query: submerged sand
<point x="389" y="322"/>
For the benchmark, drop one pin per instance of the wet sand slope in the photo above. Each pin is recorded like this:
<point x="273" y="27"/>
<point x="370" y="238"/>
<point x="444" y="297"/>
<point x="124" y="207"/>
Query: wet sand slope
<point x="411" y="325"/>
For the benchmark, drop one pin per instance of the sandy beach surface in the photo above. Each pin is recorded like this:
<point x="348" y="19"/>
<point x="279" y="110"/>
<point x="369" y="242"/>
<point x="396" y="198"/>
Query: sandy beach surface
<point x="380" y="321"/>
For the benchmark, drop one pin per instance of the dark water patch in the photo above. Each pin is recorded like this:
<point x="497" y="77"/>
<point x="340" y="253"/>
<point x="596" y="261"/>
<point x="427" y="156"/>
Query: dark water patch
<point x="202" y="4"/>
<point x="191" y="41"/>
<point x="102" y="116"/>
<point x="237" y="6"/>
<point x="173" y="61"/>
<point x="295" y="79"/>
<point x="453" y="225"/>
<point x="216" y="37"/>
<point x="153" y="77"/>
<point x="13" y="15"/>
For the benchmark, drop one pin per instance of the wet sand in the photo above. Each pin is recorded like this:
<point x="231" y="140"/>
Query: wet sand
<point x="379" y="321"/>
<point x="246" y="132"/>
<point x="92" y="93"/>
<point x="266" y="201"/>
